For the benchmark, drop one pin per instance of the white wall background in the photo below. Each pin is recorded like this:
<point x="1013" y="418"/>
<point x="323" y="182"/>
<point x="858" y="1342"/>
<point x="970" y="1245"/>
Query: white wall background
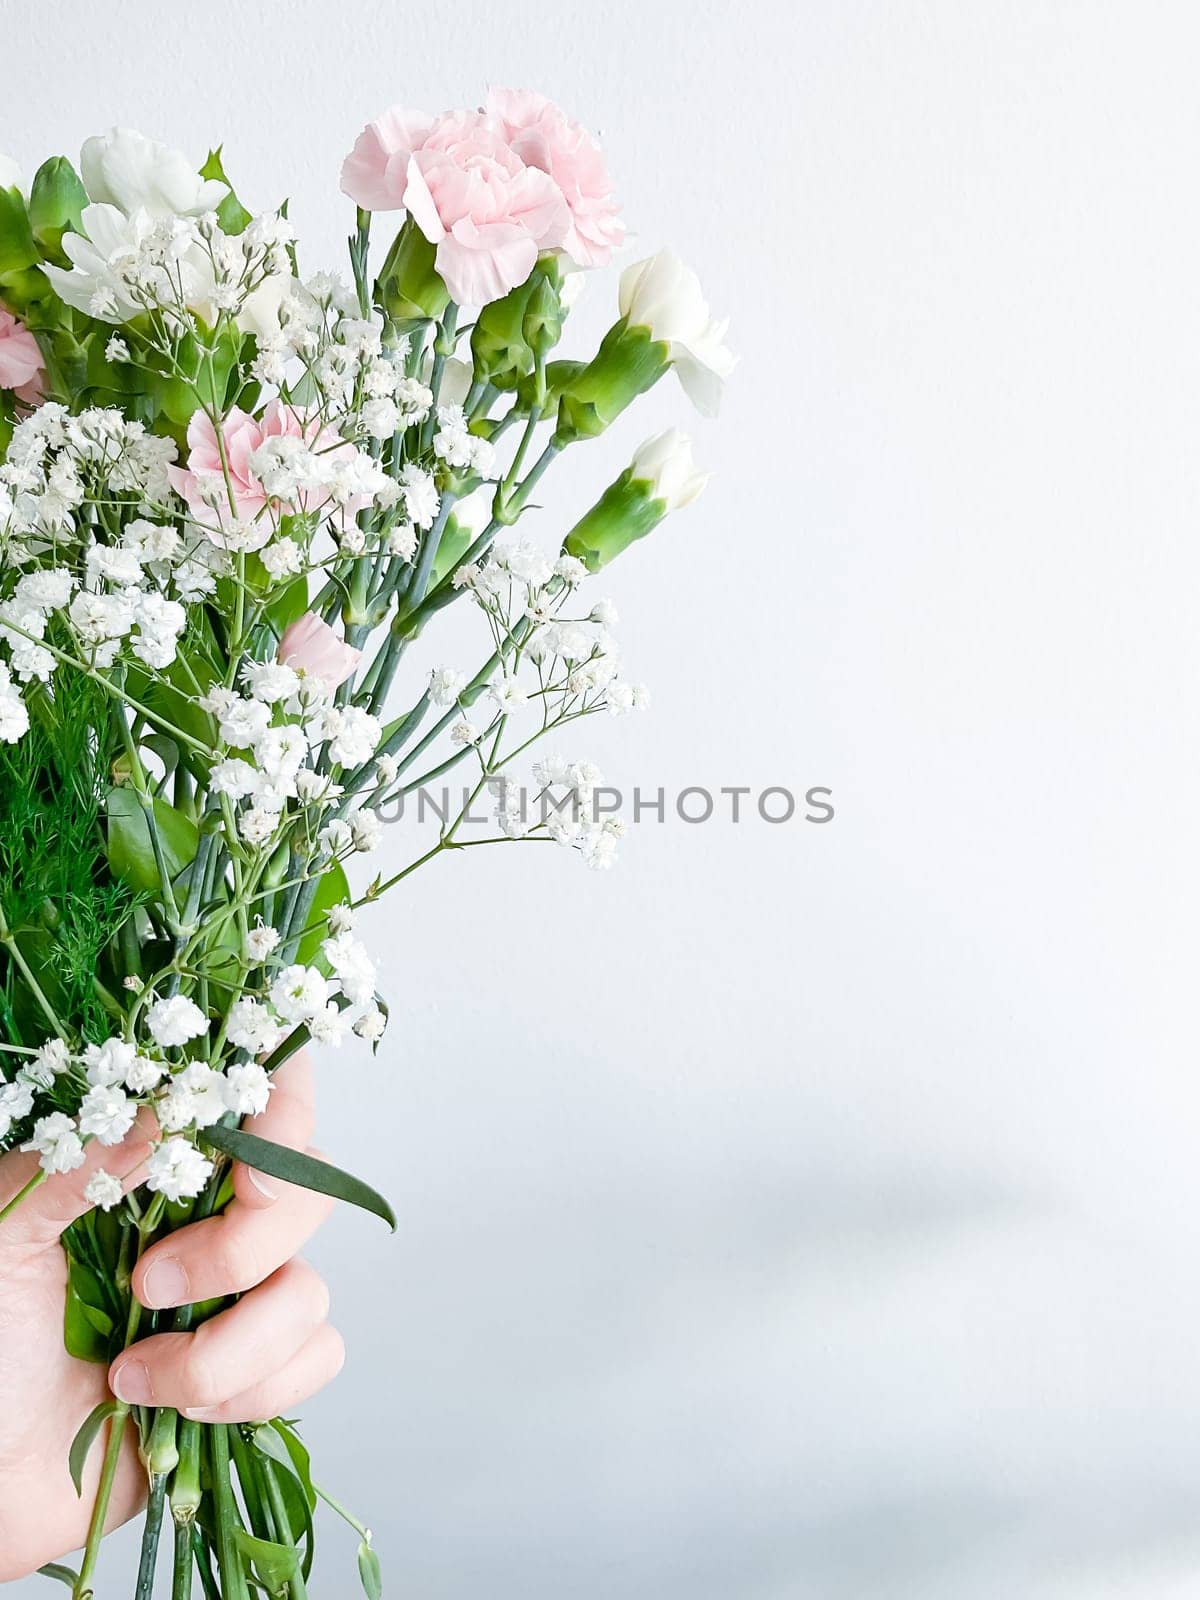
<point x="798" y="1212"/>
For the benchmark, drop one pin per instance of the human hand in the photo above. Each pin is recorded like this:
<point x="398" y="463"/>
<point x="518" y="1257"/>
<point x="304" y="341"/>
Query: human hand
<point x="261" y="1357"/>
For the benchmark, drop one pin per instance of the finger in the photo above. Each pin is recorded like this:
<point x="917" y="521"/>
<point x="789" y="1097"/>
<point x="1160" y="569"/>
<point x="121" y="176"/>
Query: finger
<point x="230" y="1253"/>
<point x="235" y="1351"/>
<point x="44" y="1213"/>
<point x="315" y="1365"/>
<point x="288" y="1119"/>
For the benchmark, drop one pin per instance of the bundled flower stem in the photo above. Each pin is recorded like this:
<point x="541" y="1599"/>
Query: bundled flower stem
<point x="231" y="497"/>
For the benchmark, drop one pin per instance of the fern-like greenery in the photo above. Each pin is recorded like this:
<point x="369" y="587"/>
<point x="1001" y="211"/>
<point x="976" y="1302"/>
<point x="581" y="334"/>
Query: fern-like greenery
<point x="59" y="903"/>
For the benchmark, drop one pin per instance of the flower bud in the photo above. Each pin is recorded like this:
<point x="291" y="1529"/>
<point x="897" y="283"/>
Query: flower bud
<point x="56" y="203"/>
<point x="628" y="362"/>
<point x="409" y="286"/>
<point x="499" y="349"/>
<point x="664" y="296"/>
<point x="661" y="478"/>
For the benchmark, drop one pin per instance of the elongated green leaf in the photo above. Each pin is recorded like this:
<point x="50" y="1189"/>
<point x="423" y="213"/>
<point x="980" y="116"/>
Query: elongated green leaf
<point x="85" y="1439"/>
<point x="54" y="1569"/>
<point x="231" y="213"/>
<point x="85" y="1298"/>
<point x="293" y="1166"/>
<point x="370" y="1572"/>
<point x="284" y="1446"/>
<point x="276" y="1564"/>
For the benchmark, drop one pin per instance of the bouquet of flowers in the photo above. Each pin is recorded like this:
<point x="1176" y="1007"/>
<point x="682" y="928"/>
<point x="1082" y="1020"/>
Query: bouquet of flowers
<point x="231" y="496"/>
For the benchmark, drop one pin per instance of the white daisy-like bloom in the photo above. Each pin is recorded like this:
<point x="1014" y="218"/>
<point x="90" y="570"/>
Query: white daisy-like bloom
<point x="175" y="1021"/>
<point x="57" y="1143"/>
<point x="177" y="1170"/>
<point x="103" y="1190"/>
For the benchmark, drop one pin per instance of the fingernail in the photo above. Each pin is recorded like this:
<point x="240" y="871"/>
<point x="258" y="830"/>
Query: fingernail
<point x="131" y="1383"/>
<point x="201" y="1413"/>
<point x="266" y="1187"/>
<point x="165" y="1283"/>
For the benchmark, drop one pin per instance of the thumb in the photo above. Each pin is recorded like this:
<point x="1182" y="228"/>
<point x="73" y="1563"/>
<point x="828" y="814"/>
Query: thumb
<point x="40" y="1217"/>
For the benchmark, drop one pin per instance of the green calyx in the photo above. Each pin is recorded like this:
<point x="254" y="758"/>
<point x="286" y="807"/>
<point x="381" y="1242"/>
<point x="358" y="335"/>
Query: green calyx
<point x="625" y="512"/>
<point x="627" y="363"/>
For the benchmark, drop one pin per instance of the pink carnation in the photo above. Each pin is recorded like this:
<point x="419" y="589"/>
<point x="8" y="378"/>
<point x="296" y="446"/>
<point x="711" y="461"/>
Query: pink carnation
<point x="467" y="190"/>
<point x="545" y="137"/>
<point x="20" y="360"/>
<point x="311" y="646"/>
<point x="210" y="485"/>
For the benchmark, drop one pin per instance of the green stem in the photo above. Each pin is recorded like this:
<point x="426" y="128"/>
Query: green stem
<point x="181" y="1572"/>
<point x="108" y="1473"/>
<point x="151" y="1532"/>
<point x="233" y="1579"/>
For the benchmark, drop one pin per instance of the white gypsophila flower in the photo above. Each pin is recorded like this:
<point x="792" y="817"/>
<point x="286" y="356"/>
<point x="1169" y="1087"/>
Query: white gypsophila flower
<point x="354" y="968"/>
<point x="335" y="837"/>
<point x="107" y="1112"/>
<point x="419" y="491"/>
<point x="247" y="1089"/>
<point x="151" y="542"/>
<point x="175" y="1020"/>
<point x="402" y="541"/>
<point x="353" y="735"/>
<point x="124" y="168"/>
<point x="328" y="1026"/>
<point x="508" y="694"/>
<point x="114" y="564"/>
<point x="194" y="580"/>
<point x="665" y="296"/>
<point x="257" y="825"/>
<point x="103" y="1190"/>
<point x="14" y="715"/>
<point x="270" y="681"/>
<point x="340" y="918"/>
<point x="174" y="1108"/>
<point x="260" y="942"/>
<point x="234" y="777"/>
<point x="243" y="722"/>
<point x="445" y="685"/>
<point x="380" y="418"/>
<point x="177" y="1170"/>
<point x="281" y="558"/>
<point x="371" y="1025"/>
<point x="45" y="590"/>
<point x="571" y="570"/>
<point x="312" y="786"/>
<point x="52" y="1058"/>
<point x="526" y="561"/>
<point x="57" y="1143"/>
<point x="206" y="1086"/>
<point x="107" y="1063"/>
<point x="666" y="463"/>
<point x="251" y="1025"/>
<point x="116" y="350"/>
<point x="298" y="993"/>
<point x="16" y="1102"/>
<point x="386" y="771"/>
<point x="598" y="847"/>
<point x="366" y="831"/>
<point x="144" y="1074"/>
<point x="465" y="733"/>
<point x="605" y="613"/>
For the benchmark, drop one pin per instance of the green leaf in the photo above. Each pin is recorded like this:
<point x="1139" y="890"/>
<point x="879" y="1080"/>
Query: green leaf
<point x="85" y="1439"/>
<point x="17" y="248"/>
<point x="54" y="1569"/>
<point x="283" y="1445"/>
<point x="331" y="891"/>
<point x="370" y="1572"/>
<point x="231" y="213"/>
<point x="85" y="1296"/>
<point x="130" y="850"/>
<point x="293" y="1166"/>
<point x="275" y="1564"/>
